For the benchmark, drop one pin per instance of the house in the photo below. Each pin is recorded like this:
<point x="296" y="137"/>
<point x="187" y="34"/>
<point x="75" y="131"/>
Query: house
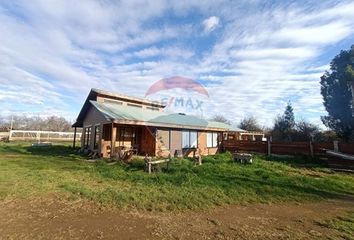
<point x="112" y="121"/>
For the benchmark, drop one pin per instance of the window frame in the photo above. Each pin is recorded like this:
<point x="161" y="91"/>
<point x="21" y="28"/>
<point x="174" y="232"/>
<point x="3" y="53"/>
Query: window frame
<point x="95" y="140"/>
<point x="189" y="139"/>
<point x="87" y="136"/>
<point x="214" y="139"/>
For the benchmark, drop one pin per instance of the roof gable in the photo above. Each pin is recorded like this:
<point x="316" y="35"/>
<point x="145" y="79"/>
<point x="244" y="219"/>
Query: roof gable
<point x="94" y="93"/>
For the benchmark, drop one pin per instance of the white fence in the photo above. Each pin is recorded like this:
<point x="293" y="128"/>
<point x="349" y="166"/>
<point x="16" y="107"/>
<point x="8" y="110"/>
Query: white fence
<point x="41" y="136"/>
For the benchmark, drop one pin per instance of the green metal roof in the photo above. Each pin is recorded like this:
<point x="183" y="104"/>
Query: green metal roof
<point x="156" y="118"/>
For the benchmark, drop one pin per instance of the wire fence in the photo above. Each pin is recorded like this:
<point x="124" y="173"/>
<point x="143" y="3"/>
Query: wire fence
<point x="42" y="136"/>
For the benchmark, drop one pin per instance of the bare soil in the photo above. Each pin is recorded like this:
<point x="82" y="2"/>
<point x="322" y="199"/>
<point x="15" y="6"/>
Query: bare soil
<point x="54" y="217"/>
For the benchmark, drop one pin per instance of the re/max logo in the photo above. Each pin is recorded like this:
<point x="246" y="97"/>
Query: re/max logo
<point x="189" y="103"/>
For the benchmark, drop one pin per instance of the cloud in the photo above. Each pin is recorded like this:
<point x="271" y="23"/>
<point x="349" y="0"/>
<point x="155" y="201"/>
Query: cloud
<point x="210" y="24"/>
<point x="53" y="53"/>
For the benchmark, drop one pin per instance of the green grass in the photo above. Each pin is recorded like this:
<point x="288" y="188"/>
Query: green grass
<point x="345" y="225"/>
<point x="27" y="171"/>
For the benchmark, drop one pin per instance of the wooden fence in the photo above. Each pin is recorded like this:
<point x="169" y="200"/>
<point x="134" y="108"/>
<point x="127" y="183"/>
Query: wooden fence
<point x="287" y="148"/>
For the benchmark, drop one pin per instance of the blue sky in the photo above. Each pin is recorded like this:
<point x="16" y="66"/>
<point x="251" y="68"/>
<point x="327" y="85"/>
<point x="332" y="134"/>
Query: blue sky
<point x="252" y="56"/>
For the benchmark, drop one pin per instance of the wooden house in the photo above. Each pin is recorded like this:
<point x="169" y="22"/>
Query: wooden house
<point x="111" y="121"/>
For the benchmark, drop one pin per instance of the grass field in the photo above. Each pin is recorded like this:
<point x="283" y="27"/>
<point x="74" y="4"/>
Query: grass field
<point x="26" y="171"/>
<point x="344" y="224"/>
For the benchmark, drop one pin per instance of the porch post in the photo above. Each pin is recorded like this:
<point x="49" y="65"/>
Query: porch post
<point x="113" y="140"/>
<point x="74" y="142"/>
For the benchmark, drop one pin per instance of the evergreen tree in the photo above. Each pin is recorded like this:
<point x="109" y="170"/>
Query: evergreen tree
<point x="284" y="125"/>
<point x="337" y="95"/>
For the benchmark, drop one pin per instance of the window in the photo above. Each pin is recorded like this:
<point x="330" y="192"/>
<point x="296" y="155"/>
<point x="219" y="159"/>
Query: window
<point x="107" y="132"/>
<point x="87" y="137"/>
<point x="134" y="105"/>
<point x="189" y="139"/>
<point x="215" y="139"/>
<point x="212" y="139"/>
<point x="209" y="139"/>
<point x="193" y="139"/>
<point x="112" y="101"/>
<point x="97" y="137"/>
<point x="185" y="139"/>
<point x="153" y="108"/>
<point x="126" y="136"/>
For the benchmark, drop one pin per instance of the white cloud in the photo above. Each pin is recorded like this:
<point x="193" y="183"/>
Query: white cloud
<point x="53" y="53"/>
<point x="210" y="24"/>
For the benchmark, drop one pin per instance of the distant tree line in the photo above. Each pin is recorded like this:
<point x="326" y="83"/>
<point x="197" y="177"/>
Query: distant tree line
<point x="285" y="128"/>
<point x="52" y="123"/>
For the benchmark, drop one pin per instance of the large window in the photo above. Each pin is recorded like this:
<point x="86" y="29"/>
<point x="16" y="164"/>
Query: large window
<point x="212" y="139"/>
<point x="87" y="137"/>
<point x="126" y="136"/>
<point x="189" y="139"/>
<point x="96" y="137"/>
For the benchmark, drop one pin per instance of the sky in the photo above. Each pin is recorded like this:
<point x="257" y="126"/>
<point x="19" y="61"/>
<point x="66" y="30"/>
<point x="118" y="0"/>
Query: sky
<point x="251" y="56"/>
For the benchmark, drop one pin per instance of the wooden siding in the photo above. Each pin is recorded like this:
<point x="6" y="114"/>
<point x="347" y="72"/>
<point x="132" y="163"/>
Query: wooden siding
<point x="202" y="145"/>
<point x="176" y="141"/>
<point x="163" y="142"/>
<point x="148" y="141"/>
<point x="126" y="102"/>
<point x="165" y="147"/>
<point x="93" y="117"/>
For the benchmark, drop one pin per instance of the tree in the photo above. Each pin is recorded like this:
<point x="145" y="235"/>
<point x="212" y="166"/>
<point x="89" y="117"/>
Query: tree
<point x="250" y="124"/>
<point x="305" y="131"/>
<point x="52" y="123"/>
<point x="337" y="96"/>
<point x="55" y="123"/>
<point x="220" y="118"/>
<point x="350" y="78"/>
<point x="284" y="125"/>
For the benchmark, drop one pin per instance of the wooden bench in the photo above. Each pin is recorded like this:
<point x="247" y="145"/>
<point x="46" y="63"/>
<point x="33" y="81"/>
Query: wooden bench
<point x="242" y="158"/>
<point x="154" y="165"/>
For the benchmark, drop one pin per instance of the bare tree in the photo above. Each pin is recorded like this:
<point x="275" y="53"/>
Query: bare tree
<point x="220" y="118"/>
<point x="52" y="123"/>
<point x="305" y="131"/>
<point x="250" y="124"/>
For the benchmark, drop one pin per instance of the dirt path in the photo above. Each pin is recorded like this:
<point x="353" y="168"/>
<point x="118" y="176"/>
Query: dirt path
<point x="52" y="217"/>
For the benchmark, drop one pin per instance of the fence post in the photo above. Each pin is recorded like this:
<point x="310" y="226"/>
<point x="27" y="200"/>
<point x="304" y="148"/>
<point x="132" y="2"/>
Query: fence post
<point x="10" y="136"/>
<point x="335" y="146"/>
<point x="149" y="166"/>
<point x="311" y="148"/>
<point x="270" y="146"/>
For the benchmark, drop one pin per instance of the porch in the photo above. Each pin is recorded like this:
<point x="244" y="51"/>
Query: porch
<point x="116" y="137"/>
